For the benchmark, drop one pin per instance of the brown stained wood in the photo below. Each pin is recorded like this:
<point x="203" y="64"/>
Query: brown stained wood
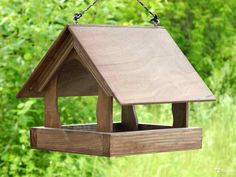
<point x="81" y="140"/>
<point x="163" y="140"/>
<point x="117" y="127"/>
<point x="69" y="141"/>
<point x="57" y="59"/>
<point x="75" y="79"/>
<point x="52" y="118"/>
<point x="85" y="60"/>
<point x="104" y="112"/>
<point x="27" y="89"/>
<point x="180" y="114"/>
<point x="136" y="65"/>
<point x="33" y="139"/>
<point x="129" y="118"/>
<point x="140" y="65"/>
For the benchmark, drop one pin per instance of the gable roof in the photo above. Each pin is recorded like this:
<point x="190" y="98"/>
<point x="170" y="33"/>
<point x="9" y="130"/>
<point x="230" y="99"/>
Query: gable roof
<point x="136" y="65"/>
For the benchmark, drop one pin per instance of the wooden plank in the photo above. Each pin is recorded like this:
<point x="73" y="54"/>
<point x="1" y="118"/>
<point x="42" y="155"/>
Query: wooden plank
<point x="85" y="60"/>
<point x="117" y="127"/>
<point x="144" y="60"/>
<point x="52" y="117"/>
<point x="57" y="59"/>
<point x="66" y="140"/>
<point x="104" y="112"/>
<point x="81" y="140"/>
<point x="27" y="89"/>
<point x="152" y="126"/>
<point x="139" y="65"/>
<point x="129" y="118"/>
<point x="149" y="141"/>
<point x="180" y="114"/>
<point x="75" y="79"/>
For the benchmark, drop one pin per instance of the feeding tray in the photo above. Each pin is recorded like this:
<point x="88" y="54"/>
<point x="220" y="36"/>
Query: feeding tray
<point x="134" y="65"/>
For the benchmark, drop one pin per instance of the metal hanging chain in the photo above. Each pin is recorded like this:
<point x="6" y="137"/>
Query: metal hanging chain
<point x="78" y="15"/>
<point x="155" y="19"/>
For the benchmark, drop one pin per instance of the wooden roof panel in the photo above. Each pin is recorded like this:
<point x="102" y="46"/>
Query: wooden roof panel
<point x="136" y="65"/>
<point x="141" y="65"/>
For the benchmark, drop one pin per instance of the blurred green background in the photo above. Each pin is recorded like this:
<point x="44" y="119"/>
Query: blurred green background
<point x="204" y="30"/>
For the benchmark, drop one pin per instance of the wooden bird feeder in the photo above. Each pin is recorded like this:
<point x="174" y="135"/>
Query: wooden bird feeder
<point x="134" y="65"/>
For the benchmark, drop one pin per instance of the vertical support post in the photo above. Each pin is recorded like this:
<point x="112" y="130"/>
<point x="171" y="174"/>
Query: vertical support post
<point x="104" y="112"/>
<point x="128" y="118"/>
<point x="180" y="114"/>
<point x="52" y="118"/>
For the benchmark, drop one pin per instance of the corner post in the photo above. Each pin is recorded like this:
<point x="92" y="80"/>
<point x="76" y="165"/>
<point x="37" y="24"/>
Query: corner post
<point x="104" y="112"/>
<point x="52" y="117"/>
<point x="180" y="114"/>
<point x="128" y="118"/>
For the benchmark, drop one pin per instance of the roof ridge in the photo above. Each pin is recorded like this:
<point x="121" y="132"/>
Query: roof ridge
<point x="115" y="26"/>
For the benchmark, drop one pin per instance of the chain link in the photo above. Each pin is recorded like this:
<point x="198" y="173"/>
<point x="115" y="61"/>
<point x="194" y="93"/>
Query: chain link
<point x="155" y="19"/>
<point x="78" y="15"/>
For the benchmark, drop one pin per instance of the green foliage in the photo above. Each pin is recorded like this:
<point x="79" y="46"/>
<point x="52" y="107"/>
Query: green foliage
<point x="204" y="30"/>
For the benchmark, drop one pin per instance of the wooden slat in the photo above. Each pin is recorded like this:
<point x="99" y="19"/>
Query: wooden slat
<point x="129" y="118"/>
<point x="115" y="144"/>
<point x="139" y="65"/>
<point x="104" y="112"/>
<point x="52" y="118"/>
<point x="117" y="127"/>
<point x="85" y="60"/>
<point x="180" y="114"/>
<point x="27" y="89"/>
<point x="163" y="140"/>
<point x="75" y="79"/>
<point x="152" y="126"/>
<point x="136" y="65"/>
<point x="69" y="141"/>
<point x="57" y="60"/>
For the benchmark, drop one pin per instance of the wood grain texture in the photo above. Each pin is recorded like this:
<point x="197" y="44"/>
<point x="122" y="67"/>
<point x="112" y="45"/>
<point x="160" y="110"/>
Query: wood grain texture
<point x="141" y="65"/>
<point x="136" y="65"/>
<point x="67" y="140"/>
<point x="56" y="62"/>
<point x="78" y="139"/>
<point x="85" y="60"/>
<point x="28" y="88"/>
<point x="52" y="117"/>
<point x="129" y="118"/>
<point x="180" y="115"/>
<point x="155" y="141"/>
<point x="117" y="127"/>
<point x="104" y="112"/>
<point x="75" y="79"/>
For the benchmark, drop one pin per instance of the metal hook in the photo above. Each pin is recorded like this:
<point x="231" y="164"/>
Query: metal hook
<point x="77" y="16"/>
<point x="155" y="20"/>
